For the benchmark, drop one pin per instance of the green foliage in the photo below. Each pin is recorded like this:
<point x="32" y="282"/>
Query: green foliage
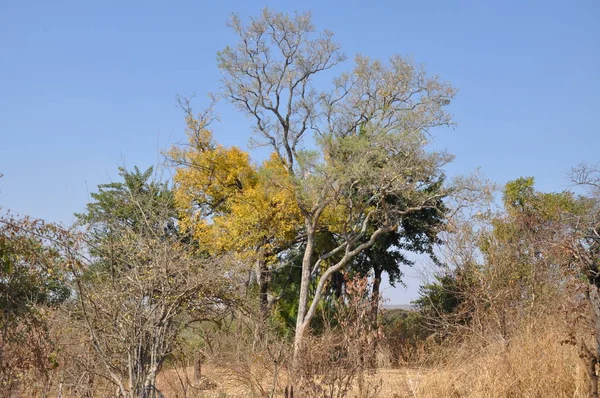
<point x="137" y="204"/>
<point x="510" y="266"/>
<point x="523" y="245"/>
<point x="518" y="194"/>
<point x="31" y="268"/>
<point x="418" y="233"/>
<point x="127" y="203"/>
<point x="440" y="298"/>
<point x="522" y="200"/>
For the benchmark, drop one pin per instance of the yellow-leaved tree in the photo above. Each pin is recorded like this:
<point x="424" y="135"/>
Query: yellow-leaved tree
<point x="233" y="206"/>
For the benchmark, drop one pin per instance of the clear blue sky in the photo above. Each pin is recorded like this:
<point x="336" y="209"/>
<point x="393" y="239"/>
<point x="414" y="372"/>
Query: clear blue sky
<point x="88" y="86"/>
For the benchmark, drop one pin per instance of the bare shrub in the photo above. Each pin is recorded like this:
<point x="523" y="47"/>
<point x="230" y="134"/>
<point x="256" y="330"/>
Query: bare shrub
<point x="335" y="364"/>
<point x="28" y="358"/>
<point x="259" y="366"/>
<point x="144" y="282"/>
<point x="32" y="286"/>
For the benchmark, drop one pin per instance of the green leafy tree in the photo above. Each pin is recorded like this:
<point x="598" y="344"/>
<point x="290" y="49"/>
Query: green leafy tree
<point x="506" y="265"/>
<point x="418" y="233"/>
<point x="522" y="256"/>
<point x="439" y="303"/>
<point x="125" y="206"/>
<point x="126" y="202"/>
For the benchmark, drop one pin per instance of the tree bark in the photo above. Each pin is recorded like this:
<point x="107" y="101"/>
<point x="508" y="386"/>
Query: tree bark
<point x="375" y="294"/>
<point x="371" y="359"/>
<point x="307" y="261"/>
<point x="305" y="313"/>
<point x="262" y="279"/>
<point x="198" y="357"/>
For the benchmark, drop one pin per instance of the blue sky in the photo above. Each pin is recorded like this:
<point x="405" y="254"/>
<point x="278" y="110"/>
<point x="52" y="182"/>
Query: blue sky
<point x="86" y="87"/>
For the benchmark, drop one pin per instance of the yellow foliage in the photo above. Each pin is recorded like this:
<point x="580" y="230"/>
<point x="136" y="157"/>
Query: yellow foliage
<point x="335" y="217"/>
<point x="230" y="204"/>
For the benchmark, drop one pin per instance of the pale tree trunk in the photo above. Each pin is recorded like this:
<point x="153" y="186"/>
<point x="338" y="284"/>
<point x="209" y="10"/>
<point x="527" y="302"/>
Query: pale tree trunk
<point x="198" y="359"/>
<point x="262" y="282"/>
<point x="131" y="373"/>
<point x="301" y="323"/>
<point x="263" y="291"/>
<point x="150" y="383"/>
<point x="375" y="297"/>
<point x="306" y="312"/>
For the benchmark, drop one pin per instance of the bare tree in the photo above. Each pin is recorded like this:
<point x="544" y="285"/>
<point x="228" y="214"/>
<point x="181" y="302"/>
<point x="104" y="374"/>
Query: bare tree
<point x="145" y="283"/>
<point x="355" y="154"/>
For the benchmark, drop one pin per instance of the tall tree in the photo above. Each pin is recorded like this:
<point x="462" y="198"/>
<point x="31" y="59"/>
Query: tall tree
<point x="418" y="233"/>
<point x="369" y="142"/>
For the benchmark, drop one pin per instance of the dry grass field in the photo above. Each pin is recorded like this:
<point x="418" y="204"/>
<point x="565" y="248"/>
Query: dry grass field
<point x="535" y="364"/>
<point x="402" y="382"/>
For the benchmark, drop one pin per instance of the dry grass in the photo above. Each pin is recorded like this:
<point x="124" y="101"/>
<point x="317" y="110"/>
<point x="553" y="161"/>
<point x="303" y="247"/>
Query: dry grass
<point x="173" y="382"/>
<point x="533" y="364"/>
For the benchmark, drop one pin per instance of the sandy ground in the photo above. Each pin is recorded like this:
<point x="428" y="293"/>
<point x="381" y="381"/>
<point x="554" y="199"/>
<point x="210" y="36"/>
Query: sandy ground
<point x="240" y="383"/>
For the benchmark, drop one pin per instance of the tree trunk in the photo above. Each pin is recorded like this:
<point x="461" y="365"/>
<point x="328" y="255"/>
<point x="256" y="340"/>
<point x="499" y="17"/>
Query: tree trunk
<point x="197" y="368"/>
<point x="375" y="295"/>
<point x="371" y="360"/>
<point x="304" y="284"/>
<point x="262" y="279"/>
<point x="306" y="313"/>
